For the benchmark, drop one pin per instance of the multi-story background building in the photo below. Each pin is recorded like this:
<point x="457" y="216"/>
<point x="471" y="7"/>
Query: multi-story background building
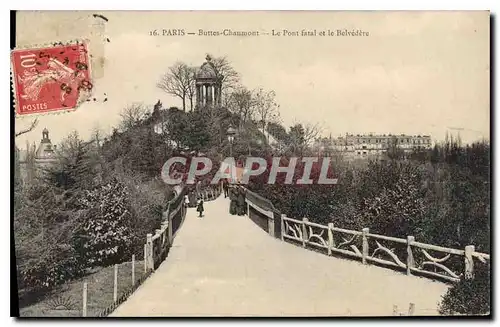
<point x="366" y="145"/>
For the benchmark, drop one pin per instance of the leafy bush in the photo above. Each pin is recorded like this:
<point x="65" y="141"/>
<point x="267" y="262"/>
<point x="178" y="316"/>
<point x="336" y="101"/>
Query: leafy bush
<point x="43" y="228"/>
<point x="147" y="202"/>
<point x="105" y="234"/>
<point x="297" y="200"/>
<point x="56" y="265"/>
<point x="469" y="296"/>
<point x="392" y="201"/>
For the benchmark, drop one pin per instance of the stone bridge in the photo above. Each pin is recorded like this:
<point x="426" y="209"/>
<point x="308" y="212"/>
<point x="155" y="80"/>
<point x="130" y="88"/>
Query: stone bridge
<point x="224" y="265"/>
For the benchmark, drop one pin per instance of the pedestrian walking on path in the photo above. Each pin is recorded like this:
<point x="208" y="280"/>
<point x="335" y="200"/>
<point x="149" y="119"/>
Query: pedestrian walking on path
<point x="241" y="202"/>
<point x="225" y="186"/>
<point x="233" y="204"/>
<point x="192" y="198"/>
<point x="200" y="208"/>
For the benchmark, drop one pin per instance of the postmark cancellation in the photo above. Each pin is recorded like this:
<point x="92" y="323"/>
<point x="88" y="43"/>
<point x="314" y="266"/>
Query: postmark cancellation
<point x="50" y="79"/>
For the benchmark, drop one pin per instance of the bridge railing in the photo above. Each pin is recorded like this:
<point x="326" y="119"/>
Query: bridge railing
<point x="158" y="244"/>
<point x="210" y="192"/>
<point x="405" y="254"/>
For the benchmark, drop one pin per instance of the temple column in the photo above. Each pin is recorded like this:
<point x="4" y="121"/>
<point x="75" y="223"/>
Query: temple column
<point x="202" y="91"/>
<point x="216" y="95"/>
<point x="212" y="94"/>
<point x="206" y="94"/>
<point x="198" y="95"/>
<point x="214" y="98"/>
<point x="209" y="94"/>
<point x="219" y="93"/>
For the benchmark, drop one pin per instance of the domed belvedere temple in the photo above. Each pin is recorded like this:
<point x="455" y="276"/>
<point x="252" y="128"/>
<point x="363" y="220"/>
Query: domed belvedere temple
<point x="208" y="85"/>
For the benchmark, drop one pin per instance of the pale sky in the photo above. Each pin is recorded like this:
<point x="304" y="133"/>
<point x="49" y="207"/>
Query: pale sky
<point x="416" y="72"/>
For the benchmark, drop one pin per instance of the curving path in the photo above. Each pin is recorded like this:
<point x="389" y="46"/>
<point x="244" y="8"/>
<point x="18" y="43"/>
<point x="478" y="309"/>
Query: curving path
<point x="225" y="265"/>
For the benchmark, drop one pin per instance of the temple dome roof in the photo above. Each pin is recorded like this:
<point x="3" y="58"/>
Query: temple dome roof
<point x="206" y="71"/>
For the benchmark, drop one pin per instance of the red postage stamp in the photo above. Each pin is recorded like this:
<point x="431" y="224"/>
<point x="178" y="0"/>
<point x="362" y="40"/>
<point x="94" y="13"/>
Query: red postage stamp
<point x="50" y="79"/>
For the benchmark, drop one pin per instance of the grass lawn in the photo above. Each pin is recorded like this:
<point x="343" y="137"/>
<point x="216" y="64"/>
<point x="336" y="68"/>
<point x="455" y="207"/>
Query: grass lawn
<point x="67" y="300"/>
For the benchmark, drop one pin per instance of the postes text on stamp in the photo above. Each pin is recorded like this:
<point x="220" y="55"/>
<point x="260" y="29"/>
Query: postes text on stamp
<point x="50" y="79"/>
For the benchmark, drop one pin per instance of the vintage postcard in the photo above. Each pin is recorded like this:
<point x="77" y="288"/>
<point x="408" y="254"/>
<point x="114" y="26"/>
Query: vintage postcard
<point x="251" y="164"/>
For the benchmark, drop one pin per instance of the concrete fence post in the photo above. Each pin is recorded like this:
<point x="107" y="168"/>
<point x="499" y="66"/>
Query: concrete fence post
<point x="364" y="233"/>
<point x="270" y="225"/>
<point x="305" y="238"/>
<point x="164" y="231"/>
<point x="170" y="227"/>
<point x="115" y="285"/>
<point x="469" y="262"/>
<point x="149" y="258"/>
<point x="84" y="309"/>
<point x="133" y="269"/>
<point x="330" y="238"/>
<point x="283" y="231"/>
<point x="144" y="262"/>
<point x="410" y="262"/>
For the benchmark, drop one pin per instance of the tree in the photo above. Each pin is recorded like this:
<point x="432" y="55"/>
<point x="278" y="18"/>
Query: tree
<point x="277" y="131"/>
<point x="266" y="108"/>
<point x="76" y="168"/>
<point x="132" y="115"/>
<point x="297" y="138"/>
<point x="196" y="136"/>
<point x="176" y="126"/>
<point x="242" y="103"/>
<point x="146" y="155"/>
<point x="311" y="132"/>
<point x="227" y="76"/>
<point x="394" y="152"/>
<point x="97" y="136"/>
<point x="34" y="123"/>
<point x="191" y="90"/>
<point x="179" y="81"/>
